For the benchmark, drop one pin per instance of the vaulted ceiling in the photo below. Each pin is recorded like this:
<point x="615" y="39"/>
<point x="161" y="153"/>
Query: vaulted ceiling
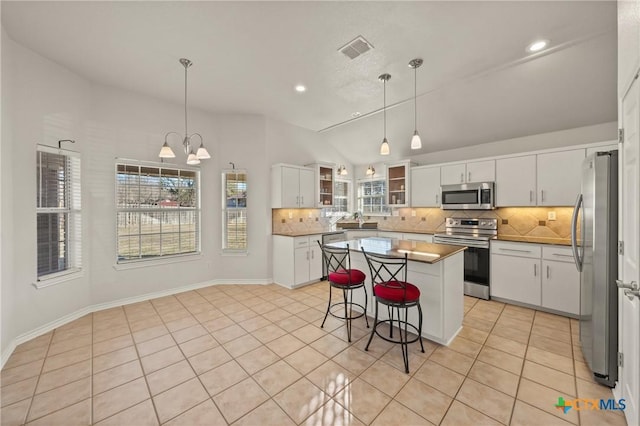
<point x="478" y="83"/>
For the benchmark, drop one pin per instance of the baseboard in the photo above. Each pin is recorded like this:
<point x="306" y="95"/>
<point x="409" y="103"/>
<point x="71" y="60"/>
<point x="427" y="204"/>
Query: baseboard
<point x="24" y="337"/>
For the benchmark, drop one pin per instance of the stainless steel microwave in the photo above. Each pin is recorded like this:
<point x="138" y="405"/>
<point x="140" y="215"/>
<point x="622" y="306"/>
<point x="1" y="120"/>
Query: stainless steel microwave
<point x="469" y="196"/>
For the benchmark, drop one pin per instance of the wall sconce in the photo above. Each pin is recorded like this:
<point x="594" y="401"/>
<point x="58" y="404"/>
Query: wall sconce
<point x="370" y="171"/>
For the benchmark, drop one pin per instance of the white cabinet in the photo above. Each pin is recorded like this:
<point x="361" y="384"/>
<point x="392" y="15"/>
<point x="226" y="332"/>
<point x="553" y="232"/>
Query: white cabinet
<point x="364" y="233"/>
<point x="324" y="183"/>
<point x="516" y="181"/>
<point x="558" y="176"/>
<point x="560" y="280"/>
<point x="452" y="174"/>
<point x="542" y="276"/>
<point x="425" y="187"/>
<point x="477" y="171"/>
<point x="515" y="272"/>
<point x="292" y="186"/>
<point x="296" y="260"/>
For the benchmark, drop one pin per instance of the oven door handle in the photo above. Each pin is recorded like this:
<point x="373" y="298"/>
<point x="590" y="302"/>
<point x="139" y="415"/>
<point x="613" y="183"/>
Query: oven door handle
<point x="460" y="242"/>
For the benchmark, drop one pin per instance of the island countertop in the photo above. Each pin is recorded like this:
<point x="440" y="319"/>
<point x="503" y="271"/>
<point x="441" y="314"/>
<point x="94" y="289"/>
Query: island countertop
<point x="416" y="250"/>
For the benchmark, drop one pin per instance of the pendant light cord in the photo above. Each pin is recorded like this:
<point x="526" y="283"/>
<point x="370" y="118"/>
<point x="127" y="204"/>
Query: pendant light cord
<point x="384" y="107"/>
<point x="186" y="132"/>
<point x="415" y="98"/>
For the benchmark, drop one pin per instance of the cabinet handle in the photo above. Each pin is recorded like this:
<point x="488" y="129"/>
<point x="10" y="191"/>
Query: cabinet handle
<point x="535" y="269"/>
<point x="531" y="196"/>
<point x="547" y="271"/>
<point x="312" y="256"/>
<point x="469" y="177"/>
<point x="517" y="250"/>
<point x="302" y="200"/>
<point x="297" y="200"/>
<point x="542" y="195"/>
<point x="562" y="255"/>
<point x="461" y="177"/>
<point x="436" y="199"/>
<point x="307" y="254"/>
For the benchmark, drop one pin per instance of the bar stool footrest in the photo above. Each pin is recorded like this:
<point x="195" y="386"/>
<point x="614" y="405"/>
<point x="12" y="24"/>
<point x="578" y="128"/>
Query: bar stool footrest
<point x="410" y="328"/>
<point x="341" y="314"/>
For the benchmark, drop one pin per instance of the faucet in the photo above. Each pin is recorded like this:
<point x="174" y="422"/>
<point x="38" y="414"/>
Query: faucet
<point x="359" y="217"/>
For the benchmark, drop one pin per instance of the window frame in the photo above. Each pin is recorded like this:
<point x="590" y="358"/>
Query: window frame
<point x="333" y="211"/>
<point x="384" y="207"/>
<point x="226" y="209"/>
<point x="197" y="214"/>
<point x="72" y="210"/>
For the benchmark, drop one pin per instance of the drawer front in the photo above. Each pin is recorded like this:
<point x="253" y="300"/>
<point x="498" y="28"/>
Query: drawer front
<point x="557" y="253"/>
<point x="516" y="249"/>
<point x="300" y="242"/>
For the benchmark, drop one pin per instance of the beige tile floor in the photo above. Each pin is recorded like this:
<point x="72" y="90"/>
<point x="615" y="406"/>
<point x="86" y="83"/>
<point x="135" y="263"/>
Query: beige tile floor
<point x="255" y="355"/>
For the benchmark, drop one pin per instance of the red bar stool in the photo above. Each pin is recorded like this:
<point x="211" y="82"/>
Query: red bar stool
<point x="341" y="276"/>
<point x="390" y="288"/>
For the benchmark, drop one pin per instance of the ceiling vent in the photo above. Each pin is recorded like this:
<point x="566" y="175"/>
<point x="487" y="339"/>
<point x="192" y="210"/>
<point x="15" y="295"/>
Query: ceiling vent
<point x="356" y="47"/>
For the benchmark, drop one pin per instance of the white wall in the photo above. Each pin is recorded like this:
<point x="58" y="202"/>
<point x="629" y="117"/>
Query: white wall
<point x="47" y="103"/>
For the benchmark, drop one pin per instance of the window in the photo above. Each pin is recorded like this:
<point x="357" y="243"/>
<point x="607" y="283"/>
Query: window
<point x="158" y="211"/>
<point x="234" y="211"/>
<point x="371" y="196"/>
<point x="341" y="199"/>
<point x="58" y="217"/>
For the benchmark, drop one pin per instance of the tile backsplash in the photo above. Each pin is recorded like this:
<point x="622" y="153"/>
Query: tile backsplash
<point x="512" y="221"/>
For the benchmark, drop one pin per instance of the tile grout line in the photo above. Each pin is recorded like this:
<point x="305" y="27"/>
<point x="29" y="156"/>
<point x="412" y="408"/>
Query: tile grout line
<point x="33" y="396"/>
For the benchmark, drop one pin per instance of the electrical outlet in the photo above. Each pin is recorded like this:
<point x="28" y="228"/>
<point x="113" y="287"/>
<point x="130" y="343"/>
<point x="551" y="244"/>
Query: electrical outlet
<point x="395" y="213"/>
<point x="551" y="216"/>
<point x="290" y="215"/>
<point x="310" y="215"/>
<point x="413" y="213"/>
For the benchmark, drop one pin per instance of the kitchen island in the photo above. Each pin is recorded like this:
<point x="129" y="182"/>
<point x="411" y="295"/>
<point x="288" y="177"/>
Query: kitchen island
<point x="436" y="269"/>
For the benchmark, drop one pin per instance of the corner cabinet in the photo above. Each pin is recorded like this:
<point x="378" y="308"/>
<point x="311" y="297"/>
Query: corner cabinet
<point x="558" y="176"/>
<point x="325" y="179"/>
<point x="425" y="187"/>
<point x="292" y="187"/>
<point x="398" y="182"/>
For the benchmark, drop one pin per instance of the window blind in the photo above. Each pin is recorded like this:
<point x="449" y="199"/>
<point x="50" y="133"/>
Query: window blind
<point x="234" y="214"/>
<point x="158" y="211"/>
<point x="58" y="211"/>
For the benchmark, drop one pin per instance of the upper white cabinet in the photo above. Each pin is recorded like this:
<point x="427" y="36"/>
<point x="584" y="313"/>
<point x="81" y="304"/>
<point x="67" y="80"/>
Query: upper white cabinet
<point x="516" y="181"/>
<point x="292" y="186"/>
<point x="477" y="171"/>
<point x="609" y="147"/>
<point x="558" y="176"/>
<point x="550" y="179"/>
<point x="452" y="174"/>
<point x="425" y="187"/>
<point x="398" y="184"/>
<point x="325" y="182"/>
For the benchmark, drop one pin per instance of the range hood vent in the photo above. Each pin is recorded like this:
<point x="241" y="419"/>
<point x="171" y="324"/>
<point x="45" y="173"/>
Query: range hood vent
<point x="356" y="47"/>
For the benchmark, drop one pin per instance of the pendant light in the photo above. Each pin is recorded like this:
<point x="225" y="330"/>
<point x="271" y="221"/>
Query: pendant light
<point x="384" y="147"/>
<point x="193" y="158"/>
<point x="416" y="143"/>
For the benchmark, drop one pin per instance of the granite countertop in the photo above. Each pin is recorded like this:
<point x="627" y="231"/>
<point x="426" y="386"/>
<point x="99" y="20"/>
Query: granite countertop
<point x="536" y="240"/>
<point x="416" y="250"/>
<point x="305" y="233"/>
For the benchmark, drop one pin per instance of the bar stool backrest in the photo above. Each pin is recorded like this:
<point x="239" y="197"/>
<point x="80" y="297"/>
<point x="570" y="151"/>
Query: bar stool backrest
<point x="337" y="260"/>
<point x="387" y="271"/>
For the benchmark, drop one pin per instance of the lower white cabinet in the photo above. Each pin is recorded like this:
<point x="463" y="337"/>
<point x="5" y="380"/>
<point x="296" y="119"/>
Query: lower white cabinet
<point x="427" y="238"/>
<point x="296" y="260"/>
<point x="515" y="278"/>
<point x="560" y="280"/>
<point x="538" y="275"/>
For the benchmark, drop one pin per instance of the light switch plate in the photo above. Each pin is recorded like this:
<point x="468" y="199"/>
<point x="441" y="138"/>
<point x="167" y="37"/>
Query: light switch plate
<point x="551" y="216"/>
<point x="413" y="213"/>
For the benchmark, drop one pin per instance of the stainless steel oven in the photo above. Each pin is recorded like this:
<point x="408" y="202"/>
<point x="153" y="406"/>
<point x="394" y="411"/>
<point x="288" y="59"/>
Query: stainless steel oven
<point x="468" y="196"/>
<point x="476" y="235"/>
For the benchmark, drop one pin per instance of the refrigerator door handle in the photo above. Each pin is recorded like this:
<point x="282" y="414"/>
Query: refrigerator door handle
<point x="574" y="232"/>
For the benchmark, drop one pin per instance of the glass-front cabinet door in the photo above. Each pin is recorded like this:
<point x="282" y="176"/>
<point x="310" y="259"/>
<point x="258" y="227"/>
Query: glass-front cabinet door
<point x="398" y="184"/>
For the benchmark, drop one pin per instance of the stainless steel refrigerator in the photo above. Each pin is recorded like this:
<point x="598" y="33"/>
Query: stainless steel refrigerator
<point x="594" y="239"/>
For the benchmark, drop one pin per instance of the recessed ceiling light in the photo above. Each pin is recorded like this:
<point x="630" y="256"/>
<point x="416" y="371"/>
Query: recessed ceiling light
<point x="300" y="88"/>
<point x="537" y="46"/>
<point x="356" y="114"/>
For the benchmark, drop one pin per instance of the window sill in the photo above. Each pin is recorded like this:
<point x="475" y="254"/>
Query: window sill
<point x="58" y="279"/>
<point x="234" y="253"/>
<point x="135" y="264"/>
